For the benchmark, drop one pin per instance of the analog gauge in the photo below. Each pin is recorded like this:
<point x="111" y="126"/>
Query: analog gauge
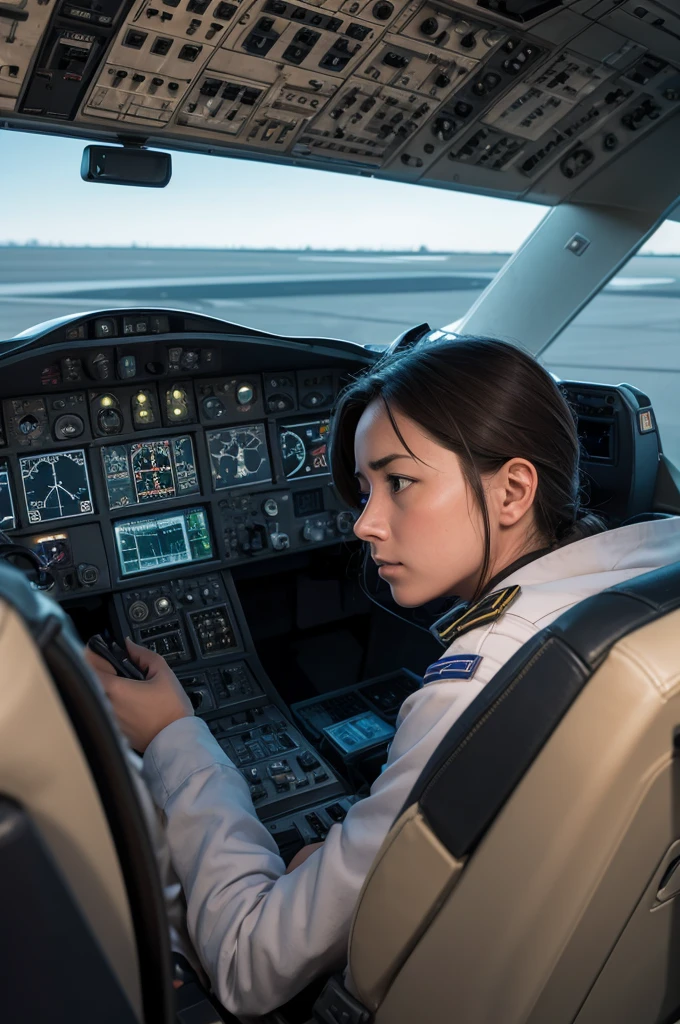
<point x="304" y="448"/>
<point x="293" y="453"/>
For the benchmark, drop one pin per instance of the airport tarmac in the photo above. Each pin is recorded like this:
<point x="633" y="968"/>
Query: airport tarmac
<point x="630" y="332"/>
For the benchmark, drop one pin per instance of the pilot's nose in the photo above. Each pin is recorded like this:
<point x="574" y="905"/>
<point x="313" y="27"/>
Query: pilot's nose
<point x="372" y="523"/>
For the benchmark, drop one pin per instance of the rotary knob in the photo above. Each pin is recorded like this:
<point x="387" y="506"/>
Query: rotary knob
<point x="138" y="611"/>
<point x="87" y="574"/>
<point x="314" y="532"/>
<point x="213" y="408"/>
<point x="344" y="522"/>
<point x="68" y="426"/>
<point x="279" y="541"/>
<point x="270" y="507"/>
<point x="163" y="605"/>
<point x="110" y="421"/>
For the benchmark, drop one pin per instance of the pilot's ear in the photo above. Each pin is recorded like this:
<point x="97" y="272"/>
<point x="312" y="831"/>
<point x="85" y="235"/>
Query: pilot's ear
<point x="516" y="485"/>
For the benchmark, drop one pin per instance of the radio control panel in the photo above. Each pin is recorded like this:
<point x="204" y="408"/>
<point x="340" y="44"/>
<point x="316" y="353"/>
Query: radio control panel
<point x="280" y="766"/>
<point x="184" y="619"/>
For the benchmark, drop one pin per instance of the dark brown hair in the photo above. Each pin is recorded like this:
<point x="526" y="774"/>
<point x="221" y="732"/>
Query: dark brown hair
<point x="487" y="401"/>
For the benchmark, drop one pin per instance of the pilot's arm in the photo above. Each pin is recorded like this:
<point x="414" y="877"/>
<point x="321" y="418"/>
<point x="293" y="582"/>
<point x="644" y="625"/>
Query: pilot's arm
<point x="263" y="934"/>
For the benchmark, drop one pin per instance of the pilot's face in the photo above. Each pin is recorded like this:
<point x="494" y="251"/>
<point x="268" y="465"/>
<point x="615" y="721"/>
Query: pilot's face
<point x="420" y="516"/>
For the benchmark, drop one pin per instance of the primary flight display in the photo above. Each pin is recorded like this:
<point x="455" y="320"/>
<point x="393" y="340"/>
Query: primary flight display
<point x="146" y="471"/>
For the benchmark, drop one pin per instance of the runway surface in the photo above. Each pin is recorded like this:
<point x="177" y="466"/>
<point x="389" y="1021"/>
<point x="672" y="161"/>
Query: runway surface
<point x="630" y="332"/>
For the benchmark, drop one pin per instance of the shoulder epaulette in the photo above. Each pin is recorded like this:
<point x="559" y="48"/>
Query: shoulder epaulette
<point x="464" y="616"/>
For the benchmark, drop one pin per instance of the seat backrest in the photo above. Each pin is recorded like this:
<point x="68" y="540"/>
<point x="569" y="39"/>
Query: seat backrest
<point x="532" y="875"/>
<point x="83" y="930"/>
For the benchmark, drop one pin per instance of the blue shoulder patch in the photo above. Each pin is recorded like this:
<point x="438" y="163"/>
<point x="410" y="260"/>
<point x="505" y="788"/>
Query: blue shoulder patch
<point x="455" y="666"/>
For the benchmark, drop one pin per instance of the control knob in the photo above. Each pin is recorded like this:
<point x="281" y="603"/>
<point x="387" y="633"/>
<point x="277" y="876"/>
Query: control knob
<point x="279" y="541"/>
<point x="344" y="522"/>
<point x="163" y="605"/>
<point x="110" y="421"/>
<point x="314" y="531"/>
<point x="68" y="426"/>
<point x="88" y="574"/>
<point x="213" y="408"/>
<point x="383" y="10"/>
<point x="138" y="611"/>
<point x="429" y="27"/>
<point x="280" y="403"/>
<point x="270" y="507"/>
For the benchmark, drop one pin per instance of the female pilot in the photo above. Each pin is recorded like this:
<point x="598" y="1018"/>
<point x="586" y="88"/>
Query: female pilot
<point x="463" y="457"/>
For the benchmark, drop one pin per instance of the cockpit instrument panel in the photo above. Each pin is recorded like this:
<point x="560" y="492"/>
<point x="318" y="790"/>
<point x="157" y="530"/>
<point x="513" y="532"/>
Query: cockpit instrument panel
<point x="56" y="485"/>
<point x="149" y="471"/>
<point x="164" y="541"/>
<point x="239" y="456"/>
<point x="304" y="448"/>
<point x="8" y="519"/>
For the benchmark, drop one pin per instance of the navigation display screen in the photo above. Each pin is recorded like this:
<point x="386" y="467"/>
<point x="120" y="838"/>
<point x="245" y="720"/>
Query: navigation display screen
<point x="149" y="471"/>
<point x="56" y="486"/>
<point x="359" y="733"/>
<point x="239" y="456"/>
<point x="146" y="543"/>
<point x="8" y="519"/>
<point x="303" y="448"/>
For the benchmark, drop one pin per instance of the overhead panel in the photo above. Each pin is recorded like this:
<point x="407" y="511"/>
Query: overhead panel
<point x="22" y="24"/>
<point x="516" y="97"/>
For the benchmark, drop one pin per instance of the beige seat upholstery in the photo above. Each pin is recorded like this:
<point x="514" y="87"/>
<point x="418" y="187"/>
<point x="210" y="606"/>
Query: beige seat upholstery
<point x="533" y="875"/>
<point x="83" y="931"/>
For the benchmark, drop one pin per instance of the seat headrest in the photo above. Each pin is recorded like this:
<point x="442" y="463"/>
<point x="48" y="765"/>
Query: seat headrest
<point x="620" y="447"/>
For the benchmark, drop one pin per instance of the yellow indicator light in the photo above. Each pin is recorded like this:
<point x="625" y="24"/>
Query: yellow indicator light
<point x="177" y="395"/>
<point x="143" y="413"/>
<point x="141" y="398"/>
<point x="177" y="412"/>
<point x="106" y="401"/>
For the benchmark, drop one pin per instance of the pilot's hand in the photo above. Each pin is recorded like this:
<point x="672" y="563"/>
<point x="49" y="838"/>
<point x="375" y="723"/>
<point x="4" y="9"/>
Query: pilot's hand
<point x="142" y="708"/>
<point x="302" y="855"/>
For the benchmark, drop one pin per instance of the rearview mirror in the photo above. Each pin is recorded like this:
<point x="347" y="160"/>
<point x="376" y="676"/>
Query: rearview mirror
<point x="114" y="165"/>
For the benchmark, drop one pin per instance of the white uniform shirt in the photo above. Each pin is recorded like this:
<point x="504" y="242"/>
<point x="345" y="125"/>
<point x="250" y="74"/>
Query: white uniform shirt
<point x="263" y="935"/>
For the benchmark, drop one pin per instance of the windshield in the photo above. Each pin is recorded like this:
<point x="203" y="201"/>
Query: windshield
<point x="281" y="249"/>
<point x="630" y="333"/>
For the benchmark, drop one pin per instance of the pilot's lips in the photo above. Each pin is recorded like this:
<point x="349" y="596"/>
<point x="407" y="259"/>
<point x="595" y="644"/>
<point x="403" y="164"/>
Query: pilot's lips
<point x="387" y="570"/>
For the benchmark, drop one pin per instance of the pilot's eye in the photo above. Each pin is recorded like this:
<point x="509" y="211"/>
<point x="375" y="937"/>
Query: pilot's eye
<point x="399" y="483"/>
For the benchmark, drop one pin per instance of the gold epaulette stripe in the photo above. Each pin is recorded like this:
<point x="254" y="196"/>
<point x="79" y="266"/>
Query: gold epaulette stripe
<point x="469" y="620"/>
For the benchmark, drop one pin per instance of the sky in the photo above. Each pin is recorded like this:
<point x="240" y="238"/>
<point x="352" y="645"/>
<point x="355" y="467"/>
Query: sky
<point x="217" y="202"/>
